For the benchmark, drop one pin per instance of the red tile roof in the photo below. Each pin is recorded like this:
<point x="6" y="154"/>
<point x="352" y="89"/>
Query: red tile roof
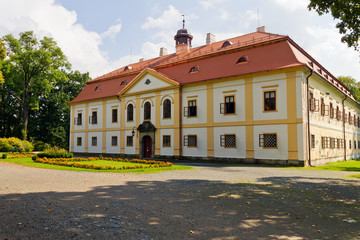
<point x="264" y="52"/>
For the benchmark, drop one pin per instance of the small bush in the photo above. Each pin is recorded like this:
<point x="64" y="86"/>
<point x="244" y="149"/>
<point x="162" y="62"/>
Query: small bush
<point x="4" y="156"/>
<point x="5" y="146"/>
<point x="55" y="152"/>
<point x="27" y="146"/>
<point x="34" y="158"/>
<point x="16" y="143"/>
<point x="41" y="146"/>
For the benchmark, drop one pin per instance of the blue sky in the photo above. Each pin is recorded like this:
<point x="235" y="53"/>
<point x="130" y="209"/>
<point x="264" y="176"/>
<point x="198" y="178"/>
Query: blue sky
<point x="100" y="36"/>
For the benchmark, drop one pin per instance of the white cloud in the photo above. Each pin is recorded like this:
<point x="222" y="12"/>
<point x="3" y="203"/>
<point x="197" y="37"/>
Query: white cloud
<point x="210" y="3"/>
<point x="112" y="31"/>
<point x="170" y="18"/>
<point x="224" y="15"/>
<point x="325" y="46"/>
<point x="292" y="4"/>
<point x="46" y="18"/>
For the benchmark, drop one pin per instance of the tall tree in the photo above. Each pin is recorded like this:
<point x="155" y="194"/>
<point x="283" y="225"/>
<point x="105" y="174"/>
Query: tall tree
<point x="50" y="123"/>
<point x="352" y="85"/>
<point x="348" y="12"/>
<point x="2" y="57"/>
<point x="33" y="69"/>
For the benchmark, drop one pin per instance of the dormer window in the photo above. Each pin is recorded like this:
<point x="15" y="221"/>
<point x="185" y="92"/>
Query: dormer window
<point x="194" y="69"/>
<point x="97" y="88"/>
<point x="226" y="43"/>
<point x="242" y="59"/>
<point x="123" y="83"/>
<point x="127" y="68"/>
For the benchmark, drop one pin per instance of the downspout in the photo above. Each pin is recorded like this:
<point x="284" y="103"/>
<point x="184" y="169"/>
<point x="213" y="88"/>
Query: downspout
<point x="343" y="106"/>
<point x="308" y="117"/>
<point x="180" y="124"/>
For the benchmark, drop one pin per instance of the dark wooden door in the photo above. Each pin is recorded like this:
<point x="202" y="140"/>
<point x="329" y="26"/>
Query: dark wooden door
<point x="147" y="147"/>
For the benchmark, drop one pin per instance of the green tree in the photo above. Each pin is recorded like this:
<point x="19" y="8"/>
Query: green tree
<point x="348" y="12"/>
<point x="50" y="123"/>
<point x="352" y="85"/>
<point x="32" y="70"/>
<point x="2" y="57"/>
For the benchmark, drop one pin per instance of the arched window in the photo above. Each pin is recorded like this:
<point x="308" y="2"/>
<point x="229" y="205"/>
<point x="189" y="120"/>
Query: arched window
<point x="226" y="43"/>
<point x="167" y="108"/>
<point x="147" y="111"/>
<point x="130" y="112"/>
<point x="242" y="59"/>
<point x="194" y="69"/>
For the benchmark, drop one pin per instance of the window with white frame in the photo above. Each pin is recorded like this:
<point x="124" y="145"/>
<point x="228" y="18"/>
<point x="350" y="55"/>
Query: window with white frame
<point x="190" y="140"/>
<point x="268" y="140"/>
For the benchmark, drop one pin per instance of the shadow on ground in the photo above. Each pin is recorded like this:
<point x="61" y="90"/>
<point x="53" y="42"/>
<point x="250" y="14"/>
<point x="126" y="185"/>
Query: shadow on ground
<point x="284" y="208"/>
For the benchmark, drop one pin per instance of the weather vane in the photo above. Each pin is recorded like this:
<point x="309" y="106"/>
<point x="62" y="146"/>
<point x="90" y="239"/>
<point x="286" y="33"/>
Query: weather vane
<point x="183" y="20"/>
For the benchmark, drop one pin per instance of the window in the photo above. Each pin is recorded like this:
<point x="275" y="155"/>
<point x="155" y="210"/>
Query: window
<point x="338" y="113"/>
<point x="350" y="119"/>
<point x="268" y="140"/>
<point x="338" y="140"/>
<point x="358" y="144"/>
<point x="331" y="111"/>
<point x="94" y="141"/>
<point x="345" y="117"/>
<point x="349" y="144"/>
<point x="147" y="111"/>
<point x="166" y="141"/>
<point x="130" y="112"/>
<point x="312" y="141"/>
<point x="129" y="141"/>
<point x="226" y="43"/>
<point x="78" y="120"/>
<point x="114" y="115"/>
<point x="270" y="101"/>
<point x="79" y="141"/>
<point x="167" y="108"/>
<point x="242" y="59"/>
<point x="322" y="107"/>
<point x="354" y="144"/>
<point x="355" y="120"/>
<point x="190" y="110"/>
<point x="324" y="142"/>
<point x="228" y="141"/>
<point x="190" y="140"/>
<point x="93" y="118"/>
<point x="194" y="69"/>
<point x="229" y="106"/>
<point x="97" y="88"/>
<point x="114" y="141"/>
<point x="332" y="143"/>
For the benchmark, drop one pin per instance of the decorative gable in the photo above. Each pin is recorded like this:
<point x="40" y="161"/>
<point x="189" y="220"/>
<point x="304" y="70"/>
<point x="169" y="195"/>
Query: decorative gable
<point x="148" y="80"/>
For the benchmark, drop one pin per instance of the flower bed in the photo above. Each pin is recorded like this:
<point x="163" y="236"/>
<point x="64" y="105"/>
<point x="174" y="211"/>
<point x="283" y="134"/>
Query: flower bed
<point x="76" y="162"/>
<point x="19" y="155"/>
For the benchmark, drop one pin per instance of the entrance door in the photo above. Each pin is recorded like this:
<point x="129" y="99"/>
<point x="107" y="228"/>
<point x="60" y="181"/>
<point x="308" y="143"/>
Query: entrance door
<point x="147" y="143"/>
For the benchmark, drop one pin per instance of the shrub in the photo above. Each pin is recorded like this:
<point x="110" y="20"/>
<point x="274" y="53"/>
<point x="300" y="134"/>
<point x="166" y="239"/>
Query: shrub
<point x="16" y="143"/>
<point x="4" y="156"/>
<point x="55" y="152"/>
<point x="41" y="146"/>
<point x="9" y="144"/>
<point x="5" y="146"/>
<point x="27" y="146"/>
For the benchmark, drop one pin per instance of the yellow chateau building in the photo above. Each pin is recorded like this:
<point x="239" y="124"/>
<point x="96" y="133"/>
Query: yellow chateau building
<point x="254" y="98"/>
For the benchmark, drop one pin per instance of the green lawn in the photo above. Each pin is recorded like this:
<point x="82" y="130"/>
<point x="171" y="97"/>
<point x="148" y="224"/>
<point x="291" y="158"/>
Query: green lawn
<point x="29" y="162"/>
<point x="350" y="166"/>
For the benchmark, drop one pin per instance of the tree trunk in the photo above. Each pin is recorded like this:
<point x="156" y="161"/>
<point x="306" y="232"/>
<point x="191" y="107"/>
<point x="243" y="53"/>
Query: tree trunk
<point x="25" y="109"/>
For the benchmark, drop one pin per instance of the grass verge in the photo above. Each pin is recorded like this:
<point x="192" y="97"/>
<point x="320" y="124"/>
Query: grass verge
<point x="348" y="166"/>
<point x="30" y="163"/>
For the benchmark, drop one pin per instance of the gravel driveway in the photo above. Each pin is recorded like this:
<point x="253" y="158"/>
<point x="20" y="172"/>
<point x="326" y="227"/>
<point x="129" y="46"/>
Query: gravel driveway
<point x="215" y="201"/>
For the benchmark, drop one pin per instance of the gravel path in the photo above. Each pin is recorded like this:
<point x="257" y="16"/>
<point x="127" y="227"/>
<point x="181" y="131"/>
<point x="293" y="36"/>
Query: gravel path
<point x="215" y="201"/>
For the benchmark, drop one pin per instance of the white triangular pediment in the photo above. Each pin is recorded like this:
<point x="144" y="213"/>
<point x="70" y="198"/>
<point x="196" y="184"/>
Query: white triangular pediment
<point x="148" y="82"/>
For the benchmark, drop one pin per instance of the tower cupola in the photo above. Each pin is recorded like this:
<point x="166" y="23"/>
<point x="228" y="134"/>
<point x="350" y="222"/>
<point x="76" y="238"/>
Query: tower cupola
<point x="183" y="39"/>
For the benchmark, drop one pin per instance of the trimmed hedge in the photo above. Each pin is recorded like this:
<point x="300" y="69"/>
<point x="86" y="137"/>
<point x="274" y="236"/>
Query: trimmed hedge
<point x="55" y="155"/>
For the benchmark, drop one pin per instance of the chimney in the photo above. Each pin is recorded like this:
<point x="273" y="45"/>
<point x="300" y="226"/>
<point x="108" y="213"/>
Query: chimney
<point x="141" y="59"/>
<point x="210" y="38"/>
<point x="163" y="51"/>
<point x="261" y="29"/>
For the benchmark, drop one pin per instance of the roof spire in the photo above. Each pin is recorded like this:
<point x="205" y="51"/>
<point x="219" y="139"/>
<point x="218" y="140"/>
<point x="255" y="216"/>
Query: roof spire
<point x="183" y="20"/>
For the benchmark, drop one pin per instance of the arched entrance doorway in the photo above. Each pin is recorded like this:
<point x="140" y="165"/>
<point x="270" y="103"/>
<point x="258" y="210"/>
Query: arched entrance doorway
<point x="147" y="146"/>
